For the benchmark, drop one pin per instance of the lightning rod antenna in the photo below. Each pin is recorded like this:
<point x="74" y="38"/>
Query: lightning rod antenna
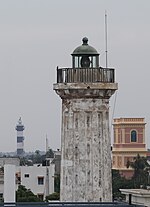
<point x="106" y="39"/>
<point x="46" y="143"/>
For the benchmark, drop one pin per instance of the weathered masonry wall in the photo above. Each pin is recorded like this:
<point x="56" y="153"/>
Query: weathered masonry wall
<point x="86" y="153"/>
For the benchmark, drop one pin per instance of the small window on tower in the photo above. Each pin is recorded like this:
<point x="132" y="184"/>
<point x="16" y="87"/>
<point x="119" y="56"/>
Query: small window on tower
<point x="133" y="136"/>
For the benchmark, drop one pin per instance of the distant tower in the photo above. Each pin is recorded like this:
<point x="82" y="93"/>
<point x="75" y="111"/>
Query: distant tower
<point x="85" y="90"/>
<point x="129" y="141"/>
<point x="20" y="138"/>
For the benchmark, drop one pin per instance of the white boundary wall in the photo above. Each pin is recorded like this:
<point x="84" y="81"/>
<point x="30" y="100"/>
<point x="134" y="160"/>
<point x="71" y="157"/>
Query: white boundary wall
<point x="9" y="184"/>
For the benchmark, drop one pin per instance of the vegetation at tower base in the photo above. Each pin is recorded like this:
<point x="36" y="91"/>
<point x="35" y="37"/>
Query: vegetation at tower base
<point x="140" y="178"/>
<point x="141" y="171"/>
<point x="53" y="197"/>
<point x="56" y="195"/>
<point x="119" y="182"/>
<point x="25" y="195"/>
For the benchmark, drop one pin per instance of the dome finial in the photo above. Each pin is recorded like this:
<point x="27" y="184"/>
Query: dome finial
<point x="20" y="121"/>
<point x="85" y="49"/>
<point x="85" y="41"/>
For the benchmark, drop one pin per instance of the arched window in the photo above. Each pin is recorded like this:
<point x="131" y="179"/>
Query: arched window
<point x="133" y="136"/>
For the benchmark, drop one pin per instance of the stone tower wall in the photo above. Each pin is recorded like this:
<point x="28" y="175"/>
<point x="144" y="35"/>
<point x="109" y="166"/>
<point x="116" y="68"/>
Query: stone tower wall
<point x="86" y="150"/>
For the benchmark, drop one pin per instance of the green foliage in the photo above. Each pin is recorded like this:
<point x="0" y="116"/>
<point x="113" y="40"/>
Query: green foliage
<point x="36" y="158"/>
<point x="50" y="153"/>
<point x="25" y="161"/>
<point x="25" y="195"/>
<point x="56" y="194"/>
<point x="140" y="177"/>
<point x="119" y="182"/>
<point x="53" y="196"/>
<point x="141" y="171"/>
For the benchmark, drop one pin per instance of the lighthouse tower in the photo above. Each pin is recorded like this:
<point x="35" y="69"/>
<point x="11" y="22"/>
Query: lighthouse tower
<point x="20" y="138"/>
<point x="85" y="90"/>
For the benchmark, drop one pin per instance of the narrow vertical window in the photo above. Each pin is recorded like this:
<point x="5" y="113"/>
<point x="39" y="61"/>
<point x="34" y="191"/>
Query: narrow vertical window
<point x="133" y="136"/>
<point x="66" y="180"/>
<point x="76" y="179"/>
<point x="88" y="121"/>
<point x="76" y="122"/>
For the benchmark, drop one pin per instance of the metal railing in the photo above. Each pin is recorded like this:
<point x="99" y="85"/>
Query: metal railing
<point x="69" y="204"/>
<point x="85" y="75"/>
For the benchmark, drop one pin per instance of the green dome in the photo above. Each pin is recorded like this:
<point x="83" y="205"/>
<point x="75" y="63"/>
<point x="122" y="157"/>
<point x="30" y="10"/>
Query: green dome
<point x="85" y="49"/>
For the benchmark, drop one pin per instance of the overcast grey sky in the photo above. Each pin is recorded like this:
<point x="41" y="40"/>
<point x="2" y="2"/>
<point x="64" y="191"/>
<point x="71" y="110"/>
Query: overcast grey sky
<point x="38" y="35"/>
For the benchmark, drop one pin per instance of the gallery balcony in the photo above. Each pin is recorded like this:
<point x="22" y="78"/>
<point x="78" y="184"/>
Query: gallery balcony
<point x="85" y="75"/>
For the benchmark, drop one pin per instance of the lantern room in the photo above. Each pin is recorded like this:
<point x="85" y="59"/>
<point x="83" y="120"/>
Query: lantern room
<point x="85" y="56"/>
<point x="85" y="67"/>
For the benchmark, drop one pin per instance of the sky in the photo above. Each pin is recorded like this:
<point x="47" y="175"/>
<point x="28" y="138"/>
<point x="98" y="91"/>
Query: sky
<point x="36" y="36"/>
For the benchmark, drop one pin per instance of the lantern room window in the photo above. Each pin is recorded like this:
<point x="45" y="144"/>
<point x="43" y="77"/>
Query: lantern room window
<point x="85" y="61"/>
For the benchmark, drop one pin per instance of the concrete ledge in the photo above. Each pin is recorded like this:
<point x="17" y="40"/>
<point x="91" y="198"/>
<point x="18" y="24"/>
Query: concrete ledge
<point x="137" y="196"/>
<point x="98" y="85"/>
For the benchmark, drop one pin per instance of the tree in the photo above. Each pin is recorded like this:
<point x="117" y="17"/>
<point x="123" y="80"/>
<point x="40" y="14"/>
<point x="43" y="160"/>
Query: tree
<point x="25" y="195"/>
<point x="119" y="182"/>
<point x="37" y="157"/>
<point x="141" y="171"/>
<point x="25" y="161"/>
<point x="50" y="153"/>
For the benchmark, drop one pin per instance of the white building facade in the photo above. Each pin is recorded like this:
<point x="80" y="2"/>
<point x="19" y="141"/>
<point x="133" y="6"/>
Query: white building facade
<point x="39" y="179"/>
